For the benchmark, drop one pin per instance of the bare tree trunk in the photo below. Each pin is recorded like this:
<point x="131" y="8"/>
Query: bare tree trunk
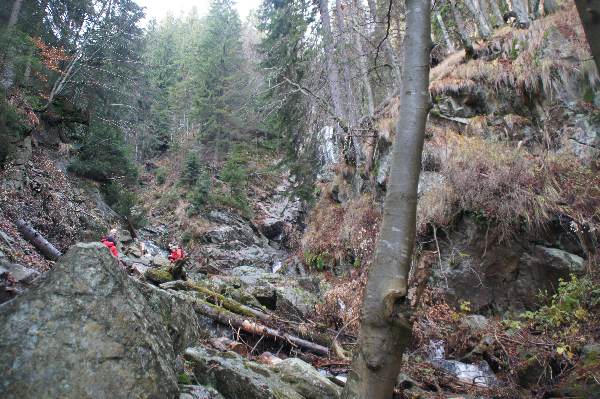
<point x="493" y="8"/>
<point x="343" y="46"/>
<point x="37" y="240"/>
<point x="447" y="39"/>
<point x="346" y="55"/>
<point x="333" y="78"/>
<point x="520" y="7"/>
<point x="8" y="67"/>
<point x="480" y="18"/>
<point x="534" y="8"/>
<point x="548" y="6"/>
<point x="461" y="28"/>
<point x="385" y="324"/>
<point x="380" y="33"/>
<point x="589" y="13"/>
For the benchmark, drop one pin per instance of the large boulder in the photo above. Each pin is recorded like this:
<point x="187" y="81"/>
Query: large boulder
<point x="89" y="331"/>
<point x="235" y="377"/>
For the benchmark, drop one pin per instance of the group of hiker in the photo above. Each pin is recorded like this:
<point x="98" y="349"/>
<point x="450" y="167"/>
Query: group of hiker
<point x="177" y="255"/>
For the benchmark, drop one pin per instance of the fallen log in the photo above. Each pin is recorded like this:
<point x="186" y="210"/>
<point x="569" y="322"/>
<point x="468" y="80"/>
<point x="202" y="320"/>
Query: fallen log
<point x="37" y="240"/>
<point x="216" y="299"/>
<point x="228" y="318"/>
<point x="241" y="309"/>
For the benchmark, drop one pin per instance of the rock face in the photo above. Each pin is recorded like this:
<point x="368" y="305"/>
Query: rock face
<point x="491" y="274"/>
<point x="235" y="377"/>
<point x="235" y="241"/>
<point x="89" y="331"/>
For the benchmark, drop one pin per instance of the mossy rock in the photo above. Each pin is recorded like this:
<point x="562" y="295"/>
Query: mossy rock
<point x="158" y="276"/>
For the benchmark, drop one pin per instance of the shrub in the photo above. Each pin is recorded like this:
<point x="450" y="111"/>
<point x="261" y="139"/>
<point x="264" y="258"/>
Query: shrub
<point x="123" y="201"/>
<point x="338" y="234"/>
<point x="510" y="187"/>
<point x="199" y="196"/>
<point x="103" y="156"/>
<point x="161" y="176"/>
<point x="192" y="169"/>
<point x="570" y="305"/>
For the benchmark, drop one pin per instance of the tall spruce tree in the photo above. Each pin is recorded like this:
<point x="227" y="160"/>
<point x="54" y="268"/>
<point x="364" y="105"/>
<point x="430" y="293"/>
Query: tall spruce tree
<point x="217" y="76"/>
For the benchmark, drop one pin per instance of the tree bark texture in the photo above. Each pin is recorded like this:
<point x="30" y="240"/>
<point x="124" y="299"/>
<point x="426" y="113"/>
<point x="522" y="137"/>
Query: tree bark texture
<point x="461" y="29"/>
<point x="520" y="7"/>
<point x="493" y="8"/>
<point x="589" y="13"/>
<point x="37" y="240"/>
<point x="385" y="324"/>
<point x="364" y="59"/>
<point x="445" y="34"/>
<point x="479" y="16"/>
<point x="333" y="78"/>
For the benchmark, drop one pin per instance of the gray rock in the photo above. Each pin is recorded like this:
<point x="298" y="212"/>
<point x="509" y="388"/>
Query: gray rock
<point x="19" y="273"/>
<point x="160" y="261"/>
<point x="560" y="260"/>
<point x="305" y="379"/>
<point x="89" y="331"/>
<point x="500" y="275"/>
<point x="235" y="377"/>
<point x="428" y="181"/>
<point x="295" y="301"/>
<point x="139" y="269"/>
<point x="198" y="392"/>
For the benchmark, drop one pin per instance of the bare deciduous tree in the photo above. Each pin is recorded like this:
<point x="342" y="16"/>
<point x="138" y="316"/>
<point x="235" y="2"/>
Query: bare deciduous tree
<point x="385" y="324"/>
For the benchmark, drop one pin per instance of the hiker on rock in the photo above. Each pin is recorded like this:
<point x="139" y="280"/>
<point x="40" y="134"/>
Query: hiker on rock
<point x="178" y="260"/>
<point x="110" y="242"/>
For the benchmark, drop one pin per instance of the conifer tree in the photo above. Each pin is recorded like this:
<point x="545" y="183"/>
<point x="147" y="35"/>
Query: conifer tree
<point x="217" y="76"/>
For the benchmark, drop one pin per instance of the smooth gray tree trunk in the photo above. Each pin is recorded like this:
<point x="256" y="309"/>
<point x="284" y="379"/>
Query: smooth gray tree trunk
<point x="345" y="55"/>
<point x="445" y="34"/>
<point x="520" y="7"/>
<point x="333" y="77"/>
<point x="494" y="10"/>
<point x="385" y="321"/>
<point x="479" y="16"/>
<point x="461" y="29"/>
<point x="364" y="59"/>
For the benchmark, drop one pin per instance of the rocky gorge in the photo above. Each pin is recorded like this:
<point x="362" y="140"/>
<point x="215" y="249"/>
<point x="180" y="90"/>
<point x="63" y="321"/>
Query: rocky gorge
<point x="503" y="287"/>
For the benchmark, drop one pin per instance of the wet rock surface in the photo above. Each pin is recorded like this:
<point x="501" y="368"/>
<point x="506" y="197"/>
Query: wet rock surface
<point x="104" y="334"/>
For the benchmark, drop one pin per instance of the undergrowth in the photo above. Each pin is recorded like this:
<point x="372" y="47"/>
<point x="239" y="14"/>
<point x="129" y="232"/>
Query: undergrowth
<point x="511" y="187"/>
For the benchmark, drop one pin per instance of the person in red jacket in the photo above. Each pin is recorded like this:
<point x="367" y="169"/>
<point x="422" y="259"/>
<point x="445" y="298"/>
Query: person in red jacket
<point x="177" y="253"/>
<point x="178" y="260"/>
<point x="109" y="242"/>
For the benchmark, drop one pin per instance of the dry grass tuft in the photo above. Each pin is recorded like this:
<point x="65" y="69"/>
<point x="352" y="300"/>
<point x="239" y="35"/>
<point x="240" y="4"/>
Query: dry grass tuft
<point x="452" y="85"/>
<point x="342" y="303"/>
<point x="340" y="234"/>
<point x="546" y="58"/>
<point x="510" y="187"/>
